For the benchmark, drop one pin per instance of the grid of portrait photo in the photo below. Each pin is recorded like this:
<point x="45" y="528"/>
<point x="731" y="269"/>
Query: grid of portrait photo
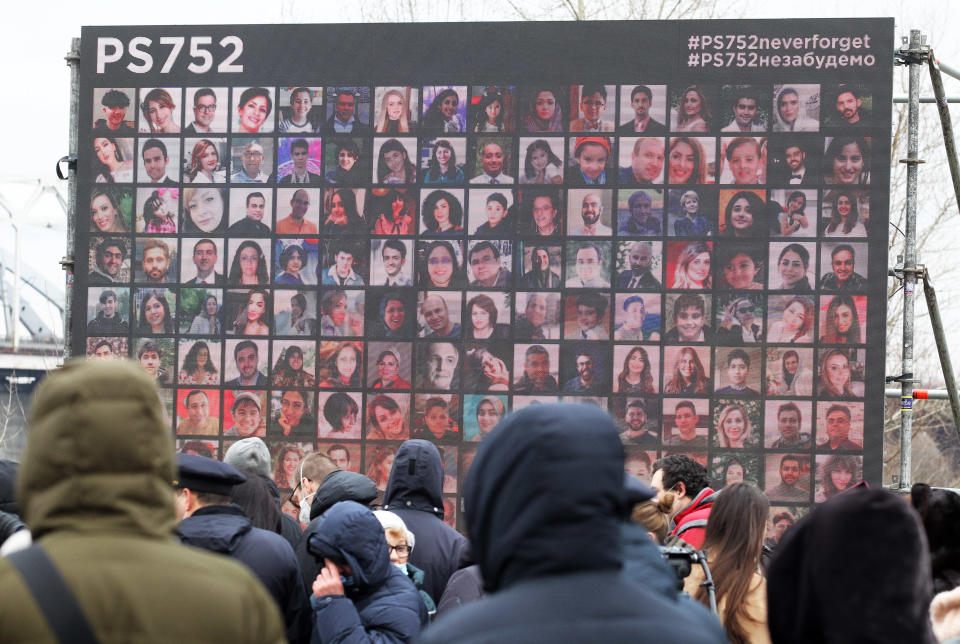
<point x="341" y="268"/>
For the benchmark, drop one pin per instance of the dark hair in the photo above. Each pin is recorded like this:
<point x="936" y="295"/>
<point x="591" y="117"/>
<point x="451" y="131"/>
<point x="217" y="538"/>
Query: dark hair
<point x="396" y="245"/>
<point x="240" y="320"/>
<point x="425" y="258"/>
<point x="790" y="406"/>
<point x="393" y="145"/>
<point x="789" y="457"/>
<point x="536" y="350"/>
<point x="836" y="219"/>
<point x="641" y="89"/>
<point x="646" y="378"/>
<point x="835" y="463"/>
<point x="236" y="274"/>
<point x="144" y="326"/>
<point x="499" y="198"/>
<point x="348" y="145"/>
<point x="594" y="301"/>
<point x="198" y="447"/>
<point x="456" y="209"/>
<point x="939" y="510"/>
<point x="757" y="209"/>
<point x="688" y="301"/>
<point x="255" y="194"/>
<point x="678" y="384"/>
<point x="329" y="300"/>
<point x="149" y="144"/>
<point x="836" y="147"/>
<point x="299" y="143"/>
<point x="245" y="344"/>
<point x="206" y="91"/>
<point x="149" y="345"/>
<point x="255" y="498"/>
<point x="282" y="369"/>
<point x="539" y="144"/>
<point x="484" y="245"/>
<point x="680" y="468"/>
<point x="120" y="244"/>
<point x="287" y="254"/>
<point x="737" y="142"/>
<point x="190" y="360"/>
<point x="105" y="295"/>
<point x="433" y="166"/>
<point x="738" y="353"/>
<point x="799" y="250"/>
<point x="433" y="118"/>
<point x="380" y="400"/>
<point x="159" y="95"/>
<point x="480" y="116"/>
<point x="252" y="92"/>
<point x="530" y="196"/>
<point x="745" y="91"/>
<point x="115" y="98"/>
<point x="337" y="406"/>
<point x="486" y="303"/>
<point x="734" y="537"/>
<point x="725" y="252"/>
<point x="704" y="113"/>
<point x="831" y="333"/>
<point x="338" y="446"/>
<point x="103" y="343"/>
<point x="101" y="169"/>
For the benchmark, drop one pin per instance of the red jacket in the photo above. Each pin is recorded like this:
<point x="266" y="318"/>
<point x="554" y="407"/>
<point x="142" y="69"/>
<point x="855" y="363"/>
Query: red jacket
<point x="690" y="524"/>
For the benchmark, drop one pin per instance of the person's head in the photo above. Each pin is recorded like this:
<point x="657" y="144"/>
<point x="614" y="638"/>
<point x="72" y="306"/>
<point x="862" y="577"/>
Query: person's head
<point x="204" y="107"/>
<point x="843" y="261"/>
<point x="393" y="159"/>
<point x="591" y="307"/>
<point x="441" y="263"/>
<point x="249" y="264"/>
<point x="108" y="303"/>
<point x="204" y="207"/>
<point x="388" y="367"/>
<point x="796" y="202"/>
<point x="837" y="420"/>
<point x="693" y="105"/>
<point x="149" y="356"/>
<point x="155" y="313"/>
<point x="733" y="472"/>
<point x="381" y="464"/>
<point x="536" y="308"/>
<point x="158" y="109"/>
<point x="301" y="101"/>
<point x="745" y="107"/>
<point x="689" y="316"/>
<point x="393" y="254"/>
<point x="436" y="417"/>
<point x="789" y="419"/>
<point x="345" y="362"/>
<point x="258" y="307"/>
<point x="497" y="209"/>
<point x="252" y="158"/>
<point x="793" y="262"/>
<point x="844" y="213"/>
<point x="204" y="158"/>
<point x="442" y="361"/>
<point x="347" y="154"/>
<point x="636" y="415"/>
<point x="544" y="209"/>
<point x="744" y="215"/>
<point x="641" y="256"/>
<point x="680" y="475"/>
<point x="640" y="100"/>
<point x="688" y="368"/>
<point x="790" y="362"/>
<point x="198" y="357"/>
<point x="797" y="316"/>
<point x="782" y="521"/>
<point x="314" y="468"/>
<point x="687" y="162"/>
<point x="399" y="539"/>
<point x="738" y="367"/>
<point x="293" y="406"/>
<point x="197" y="404"/>
<point x="843" y="320"/>
<point x="393" y="312"/>
<point x="539" y="156"/>
<point x="849" y="103"/>
<point x="105" y="212"/>
<point x="155" y="260"/>
<point x="743" y="155"/>
<point x="591" y="153"/>
<point x="646" y="160"/>
<point x="154" y="154"/>
<point x="253" y="108"/>
<point x="102" y="350"/>
<point x="590" y="209"/>
<point x="489" y="412"/>
<point x="849" y="160"/>
<point x="788" y="105"/>
<point x="733" y="426"/>
<point x="835" y="372"/>
<point x="246" y="355"/>
<point x="342" y="255"/>
<point x="741" y="264"/>
<point x="544" y="107"/>
<point x="345" y="104"/>
<point x="110" y="255"/>
<point x="340" y="456"/>
<point x="443" y="156"/>
<point x="839" y="473"/>
<point x="341" y="412"/>
<point x="593" y="100"/>
<point x="205" y="256"/>
<point x="686" y="418"/>
<point x="589" y="262"/>
<point x="636" y="363"/>
<point x="115" y="104"/>
<point x="442" y="211"/>
<point x="256" y="203"/>
<point x="386" y="416"/>
<point x="635" y="312"/>
<point x="492" y="158"/>
<point x="393" y="106"/>
<point x="482" y="311"/>
<point x="795" y="156"/>
<point x="490" y="110"/>
<point x="790" y="469"/>
<point x="247" y="413"/>
<point x="536" y="364"/>
<point x="292" y="258"/>
<point x="445" y="103"/>
<point x="299" y="154"/>
<point x="586" y="366"/>
<point x="744" y="310"/>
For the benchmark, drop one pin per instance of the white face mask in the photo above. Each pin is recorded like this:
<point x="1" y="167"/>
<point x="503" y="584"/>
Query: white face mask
<point x="401" y="567"/>
<point x="305" y="508"/>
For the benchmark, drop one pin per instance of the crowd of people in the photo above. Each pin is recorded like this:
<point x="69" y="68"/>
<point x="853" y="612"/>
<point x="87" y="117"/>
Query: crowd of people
<point x="107" y="535"/>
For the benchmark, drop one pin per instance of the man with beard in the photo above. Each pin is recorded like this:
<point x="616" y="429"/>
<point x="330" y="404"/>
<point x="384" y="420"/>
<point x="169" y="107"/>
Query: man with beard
<point x="536" y="376"/>
<point x="640" y="275"/>
<point x="849" y="104"/>
<point x="843" y="278"/>
<point x="788" y="488"/>
<point x="110" y="254"/>
<point x="788" y="426"/>
<point x="590" y="211"/>
<point x="540" y="276"/>
<point x="246" y="355"/>
<point x="155" y="261"/>
<point x="637" y="432"/>
<point x="796" y="172"/>
<point x="586" y="381"/>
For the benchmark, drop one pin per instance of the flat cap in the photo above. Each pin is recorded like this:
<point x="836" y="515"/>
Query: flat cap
<point x="202" y="474"/>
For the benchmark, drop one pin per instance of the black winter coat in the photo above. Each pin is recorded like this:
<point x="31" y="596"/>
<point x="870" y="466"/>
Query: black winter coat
<point x="414" y="493"/>
<point x="382" y="604"/>
<point x="225" y="529"/>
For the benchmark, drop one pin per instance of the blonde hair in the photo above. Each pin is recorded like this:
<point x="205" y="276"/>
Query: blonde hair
<point x="404" y="122"/>
<point x="654" y="515"/>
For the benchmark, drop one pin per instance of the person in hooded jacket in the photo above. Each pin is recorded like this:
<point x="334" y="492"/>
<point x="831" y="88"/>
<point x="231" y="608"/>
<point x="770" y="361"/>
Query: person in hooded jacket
<point x="98" y="496"/>
<point x="545" y="502"/>
<point x="693" y="497"/>
<point x="939" y="511"/>
<point x="208" y="520"/>
<point x="359" y="596"/>
<point x="856" y="569"/>
<point x="340" y="485"/>
<point x="400" y="541"/>
<point x="14" y="534"/>
<point x="414" y="493"/>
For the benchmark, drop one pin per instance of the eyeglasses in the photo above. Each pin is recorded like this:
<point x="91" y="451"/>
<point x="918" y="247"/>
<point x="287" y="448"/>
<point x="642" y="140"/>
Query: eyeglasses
<point x="402" y="550"/>
<point x="439" y="261"/>
<point x="206" y="108"/>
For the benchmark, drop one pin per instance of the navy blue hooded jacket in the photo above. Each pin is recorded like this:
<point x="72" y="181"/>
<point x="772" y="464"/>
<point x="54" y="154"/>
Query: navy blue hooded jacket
<point x="225" y="529"/>
<point x="545" y="501"/>
<point x="414" y="493"/>
<point x="382" y="605"/>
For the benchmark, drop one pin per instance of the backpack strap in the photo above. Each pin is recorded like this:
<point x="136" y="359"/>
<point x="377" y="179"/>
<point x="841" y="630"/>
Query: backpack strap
<point x="50" y="591"/>
<point x="696" y="523"/>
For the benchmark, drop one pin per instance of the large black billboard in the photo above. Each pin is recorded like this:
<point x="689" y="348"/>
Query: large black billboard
<point x="338" y="237"/>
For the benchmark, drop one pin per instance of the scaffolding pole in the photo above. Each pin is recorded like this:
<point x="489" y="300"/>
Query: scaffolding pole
<point x="67" y="263"/>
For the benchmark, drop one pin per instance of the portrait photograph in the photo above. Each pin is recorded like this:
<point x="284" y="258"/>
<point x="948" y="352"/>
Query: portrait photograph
<point x="205" y="110"/>
<point x="202" y="261"/>
<point x="744" y="109"/>
<point x="795" y="211"/>
<point x="391" y="313"/>
<point x="339" y="415"/>
<point x="248" y="312"/>
<point x="845" y="213"/>
<point x="590" y="213"/>
<point x="639" y="213"/>
<point x="543" y="108"/>
<point x="299" y="160"/>
<point x="487" y="315"/>
<point x="584" y="368"/>
<point x="395" y="160"/>
<point x="846" y="160"/>
<point x="114" y="111"/>
<point x="202" y="210"/>
<point x="436" y="418"/>
<point x="743" y="214"/>
<point x="205" y="160"/>
<point x="686" y="370"/>
<point x="847" y="105"/>
<point x="796" y="108"/>
<point x="643" y="109"/>
<point x="839" y="426"/>
<point x="727" y="469"/>
<point x="392" y="211"/>
<point x="246" y="363"/>
<point x="296" y="261"/>
<point x="340" y="365"/>
<point x="160" y="110"/>
<point x="742" y="160"/>
<point x="391" y="262"/>
<point x="198" y="412"/>
<point x="378" y="461"/>
<point x="438" y="366"/>
<point x="295" y="312"/>
<point x="843" y="266"/>
<point x="442" y="213"/>
<point x="294" y="363"/>
<point x="588" y="264"/>
<point x="490" y="160"/>
<point x="686" y="422"/>
<point x="541" y="160"/>
<point x="788" y="424"/>
<point x="250" y="212"/>
<point x="493" y="109"/>
<point x="113" y="159"/>
<point x="98" y="348"/>
<point x="301" y="110"/>
<point x="590" y="161"/>
<point x="688" y="265"/>
<point x="345" y="262"/>
<point x="199" y="362"/>
<point x="388" y="417"/>
<point x="440" y="264"/>
<point x="636" y="369"/>
<point x="843" y="319"/>
<point x="490" y="263"/>
<point x="250" y="261"/>
<point x="110" y="210"/>
<point x="835" y="474"/>
<point x="794" y="161"/>
<point x="693" y="108"/>
<point x="348" y="109"/>
<point x="538" y="316"/>
<point x="158" y="161"/>
<point x="156" y="356"/>
<point x="792" y="266"/>
<point x="346" y="455"/>
<point x="739" y="265"/>
<point x="841" y="373"/>
<point x="243" y="413"/>
<point x="157" y="209"/>
<point x="536" y="368"/>
<point x="788" y="477"/>
<point x="254" y="110"/>
<point x="442" y="160"/>
<point x="642" y="160"/>
<point x="251" y="159"/>
<point x="790" y="319"/>
<point x="292" y="415"/>
<point x="738" y="318"/>
<point x="637" y="317"/>
<point x="347" y="160"/>
<point x="638" y="419"/>
<point x="341" y="211"/>
<point x="486" y="365"/>
<point x="540" y="265"/>
<point x="109" y="260"/>
<point x="541" y="211"/>
<point x="481" y="413"/>
<point x="597" y="107"/>
<point x="638" y="462"/>
<point x="737" y="371"/>
<point x="108" y="310"/>
<point x="438" y="314"/>
<point x="286" y="458"/>
<point x="789" y="371"/>
<point x="587" y="316"/>
<point x="737" y="423"/>
<point x="492" y="212"/>
<point x="389" y="365"/>
<point x="691" y="160"/>
<point x="396" y="109"/>
<point x="639" y="265"/>
<point x="444" y="109"/>
<point x="155" y="309"/>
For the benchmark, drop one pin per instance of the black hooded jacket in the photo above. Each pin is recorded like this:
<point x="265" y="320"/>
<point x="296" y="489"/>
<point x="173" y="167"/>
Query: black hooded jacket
<point x="226" y="530"/>
<point x="414" y="493"/>
<point x="337" y="486"/>
<point x="856" y="569"/>
<point x="545" y="502"/>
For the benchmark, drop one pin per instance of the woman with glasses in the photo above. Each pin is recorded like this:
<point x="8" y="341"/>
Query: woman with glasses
<point x="400" y="541"/>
